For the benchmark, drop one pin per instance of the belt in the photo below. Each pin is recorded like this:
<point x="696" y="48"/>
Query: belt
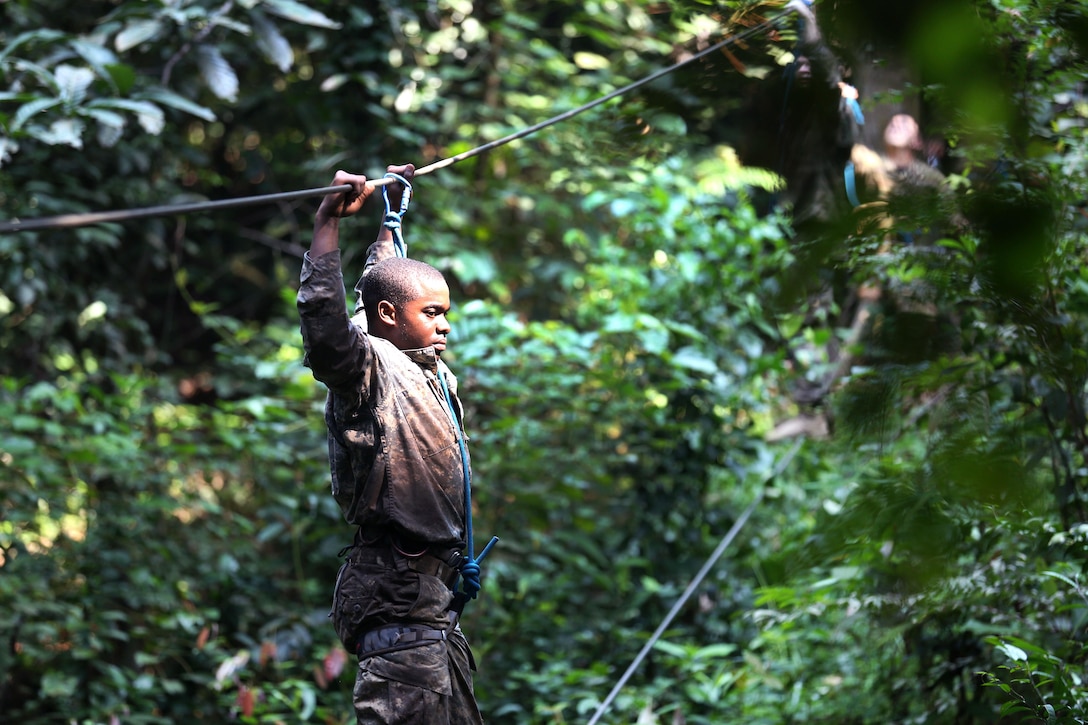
<point x="396" y="637"/>
<point x="384" y="553"/>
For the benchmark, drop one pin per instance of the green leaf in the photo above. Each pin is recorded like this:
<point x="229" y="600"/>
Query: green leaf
<point x="59" y="685"/>
<point x="272" y="43"/>
<point x="148" y="114"/>
<point x="309" y="703"/>
<point x="222" y="21"/>
<point x="28" y="110"/>
<point x="41" y="35"/>
<point x="105" y="117"/>
<point x="105" y="65"/>
<point x="217" y="73"/>
<point x="590" y="61"/>
<point x="97" y="56"/>
<point x="1061" y="577"/>
<point x="123" y="77"/>
<point x="167" y="97"/>
<point x="66" y="131"/>
<point x="691" y="359"/>
<point x="73" y="82"/>
<point x="43" y="74"/>
<point x="298" y="13"/>
<point x="715" y="651"/>
<point x="137" y="32"/>
<point x="171" y="686"/>
<point x="670" y="648"/>
<point x="1013" y="652"/>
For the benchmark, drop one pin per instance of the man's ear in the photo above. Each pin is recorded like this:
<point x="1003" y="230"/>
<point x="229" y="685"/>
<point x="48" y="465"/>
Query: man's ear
<point x="387" y="313"/>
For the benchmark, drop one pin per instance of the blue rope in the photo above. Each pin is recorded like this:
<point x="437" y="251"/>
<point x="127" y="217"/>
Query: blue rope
<point x="854" y="106"/>
<point x="466" y="470"/>
<point x="851" y="184"/>
<point x="392" y="218"/>
<point x="848" y="171"/>
<point x="470" y="567"/>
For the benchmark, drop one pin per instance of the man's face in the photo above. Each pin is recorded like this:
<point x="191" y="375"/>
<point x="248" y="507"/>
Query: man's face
<point x="421" y="322"/>
<point x="804" y="68"/>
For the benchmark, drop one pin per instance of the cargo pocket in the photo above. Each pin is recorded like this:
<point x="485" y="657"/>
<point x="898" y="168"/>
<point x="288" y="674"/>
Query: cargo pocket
<point x="351" y="602"/>
<point x="426" y="667"/>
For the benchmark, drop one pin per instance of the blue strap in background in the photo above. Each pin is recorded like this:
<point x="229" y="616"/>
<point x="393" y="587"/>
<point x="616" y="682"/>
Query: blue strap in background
<point x="855" y="107"/>
<point x="849" y="177"/>
<point x="851" y="184"/>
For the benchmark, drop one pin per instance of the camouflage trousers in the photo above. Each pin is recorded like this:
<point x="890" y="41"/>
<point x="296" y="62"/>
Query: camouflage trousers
<point x="428" y="684"/>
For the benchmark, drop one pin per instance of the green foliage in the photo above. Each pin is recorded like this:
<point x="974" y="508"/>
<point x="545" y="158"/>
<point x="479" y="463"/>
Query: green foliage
<point x="143" y="539"/>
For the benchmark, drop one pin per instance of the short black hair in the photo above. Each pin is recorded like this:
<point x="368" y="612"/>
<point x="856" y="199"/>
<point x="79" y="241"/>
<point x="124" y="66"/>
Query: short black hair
<point x="395" y="280"/>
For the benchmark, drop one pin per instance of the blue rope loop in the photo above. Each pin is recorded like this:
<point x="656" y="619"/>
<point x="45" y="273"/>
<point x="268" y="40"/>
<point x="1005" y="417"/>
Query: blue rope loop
<point x="392" y="219"/>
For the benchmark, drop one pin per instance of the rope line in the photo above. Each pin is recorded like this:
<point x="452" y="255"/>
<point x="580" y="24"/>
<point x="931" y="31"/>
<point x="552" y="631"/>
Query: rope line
<point x="470" y="567"/>
<point x="722" y="546"/>
<point x="65" y="221"/>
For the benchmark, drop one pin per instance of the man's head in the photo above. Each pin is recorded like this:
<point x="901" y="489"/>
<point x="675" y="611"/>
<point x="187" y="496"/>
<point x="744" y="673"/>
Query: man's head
<point x="406" y="303"/>
<point x="902" y="133"/>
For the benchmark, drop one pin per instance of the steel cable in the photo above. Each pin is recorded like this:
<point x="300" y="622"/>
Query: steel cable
<point x="710" y="562"/>
<point x="65" y="221"/>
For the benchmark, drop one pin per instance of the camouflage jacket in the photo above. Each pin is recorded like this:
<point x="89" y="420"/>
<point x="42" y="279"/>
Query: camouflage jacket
<point x="393" y="449"/>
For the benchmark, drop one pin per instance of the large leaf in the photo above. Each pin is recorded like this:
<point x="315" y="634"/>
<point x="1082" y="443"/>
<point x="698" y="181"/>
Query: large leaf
<point x="110" y="125"/>
<point x="66" y="131"/>
<point x="148" y="114"/>
<point x="167" y="97"/>
<point x="40" y="72"/>
<point x="217" y="73"/>
<point x="138" y="32"/>
<point x="105" y="64"/>
<point x="29" y="110"/>
<point x="73" y="82"/>
<point x="272" y="43"/>
<point x="222" y="21"/>
<point x="298" y="13"/>
<point x="8" y="148"/>
<point x="97" y="55"/>
<point x="44" y="34"/>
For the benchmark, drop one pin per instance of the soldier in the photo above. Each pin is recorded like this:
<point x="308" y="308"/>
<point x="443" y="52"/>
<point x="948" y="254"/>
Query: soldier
<point x="399" y="468"/>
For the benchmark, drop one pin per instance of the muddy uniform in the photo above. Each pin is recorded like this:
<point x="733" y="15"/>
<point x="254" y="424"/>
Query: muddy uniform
<point x="396" y="474"/>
